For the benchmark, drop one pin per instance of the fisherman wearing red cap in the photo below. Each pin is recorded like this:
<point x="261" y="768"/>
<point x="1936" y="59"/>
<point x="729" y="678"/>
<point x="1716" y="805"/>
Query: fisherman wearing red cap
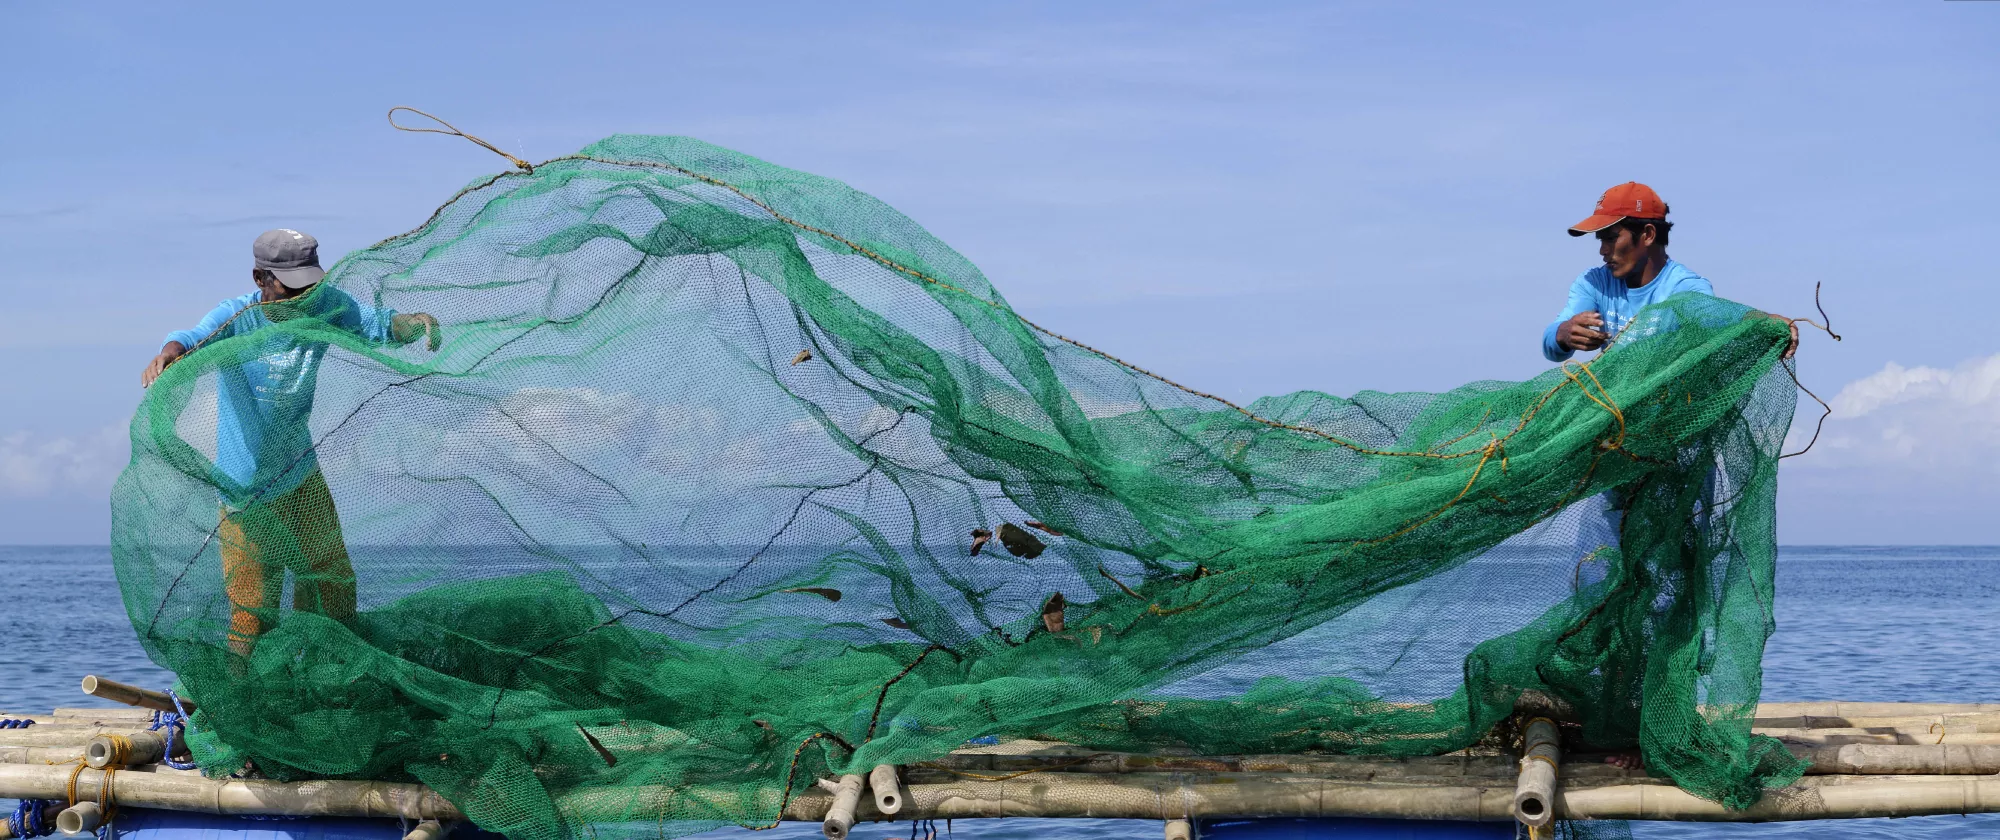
<point x="1631" y="226"/>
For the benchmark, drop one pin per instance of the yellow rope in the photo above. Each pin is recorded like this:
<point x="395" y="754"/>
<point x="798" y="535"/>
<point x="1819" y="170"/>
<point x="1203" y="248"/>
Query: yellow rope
<point x="121" y="749"/>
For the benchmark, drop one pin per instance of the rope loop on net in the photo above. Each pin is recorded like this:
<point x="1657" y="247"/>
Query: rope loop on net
<point x="453" y="130"/>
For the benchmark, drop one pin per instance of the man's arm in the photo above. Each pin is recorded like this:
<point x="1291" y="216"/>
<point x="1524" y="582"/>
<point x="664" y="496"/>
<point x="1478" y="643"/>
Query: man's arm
<point x="384" y="325"/>
<point x="180" y="341"/>
<point x="1579" y="327"/>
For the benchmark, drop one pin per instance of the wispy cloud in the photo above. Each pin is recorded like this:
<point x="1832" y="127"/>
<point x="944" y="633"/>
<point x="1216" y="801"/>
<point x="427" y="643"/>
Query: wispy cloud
<point x="1943" y="423"/>
<point x="33" y="465"/>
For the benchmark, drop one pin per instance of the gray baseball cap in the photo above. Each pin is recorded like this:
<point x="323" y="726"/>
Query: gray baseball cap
<point x="289" y="254"/>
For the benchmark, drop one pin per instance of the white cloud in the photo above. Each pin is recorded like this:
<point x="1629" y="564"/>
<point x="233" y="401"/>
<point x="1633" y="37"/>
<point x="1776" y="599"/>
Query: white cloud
<point x="1944" y="423"/>
<point x="34" y="465"/>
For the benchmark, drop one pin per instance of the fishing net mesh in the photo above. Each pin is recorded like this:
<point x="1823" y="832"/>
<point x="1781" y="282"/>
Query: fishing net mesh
<point x="726" y="477"/>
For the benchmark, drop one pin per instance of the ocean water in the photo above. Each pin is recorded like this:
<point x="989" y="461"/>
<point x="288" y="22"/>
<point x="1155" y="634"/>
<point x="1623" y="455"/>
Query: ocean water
<point x="1912" y="624"/>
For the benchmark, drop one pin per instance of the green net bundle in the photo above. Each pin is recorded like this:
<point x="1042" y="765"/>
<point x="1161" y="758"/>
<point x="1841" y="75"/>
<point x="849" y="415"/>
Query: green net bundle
<point x="728" y="477"/>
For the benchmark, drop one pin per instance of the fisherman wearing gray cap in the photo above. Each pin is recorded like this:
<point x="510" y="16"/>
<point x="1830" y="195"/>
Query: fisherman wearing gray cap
<point x="277" y="513"/>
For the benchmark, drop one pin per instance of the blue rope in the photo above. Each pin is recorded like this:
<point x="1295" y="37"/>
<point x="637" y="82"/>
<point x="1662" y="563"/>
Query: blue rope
<point x="171" y="722"/>
<point x="16" y="723"/>
<point x="26" y="821"/>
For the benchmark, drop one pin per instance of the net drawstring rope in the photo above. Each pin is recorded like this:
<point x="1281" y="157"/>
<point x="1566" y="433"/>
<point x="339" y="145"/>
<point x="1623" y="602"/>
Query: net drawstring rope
<point x="453" y="131"/>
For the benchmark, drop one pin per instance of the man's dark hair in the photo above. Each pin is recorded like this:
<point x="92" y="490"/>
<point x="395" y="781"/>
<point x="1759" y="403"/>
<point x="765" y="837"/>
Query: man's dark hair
<point x="1660" y="228"/>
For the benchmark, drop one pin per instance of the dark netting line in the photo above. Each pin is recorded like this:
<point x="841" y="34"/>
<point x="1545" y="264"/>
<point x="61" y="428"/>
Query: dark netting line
<point x="728" y="477"/>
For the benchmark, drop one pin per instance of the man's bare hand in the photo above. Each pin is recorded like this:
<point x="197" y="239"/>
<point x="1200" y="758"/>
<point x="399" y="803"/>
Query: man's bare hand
<point x="168" y="354"/>
<point x="406" y="327"/>
<point x="1584" y="331"/>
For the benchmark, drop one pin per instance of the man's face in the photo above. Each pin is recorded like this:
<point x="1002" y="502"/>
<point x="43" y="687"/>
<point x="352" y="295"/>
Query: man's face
<point x="274" y="290"/>
<point x="1624" y="252"/>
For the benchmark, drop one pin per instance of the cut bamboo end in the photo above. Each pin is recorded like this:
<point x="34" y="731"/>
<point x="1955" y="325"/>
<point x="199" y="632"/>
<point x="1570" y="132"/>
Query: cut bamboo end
<point x="131" y="695"/>
<point x="888" y="793"/>
<point x="81" y="818"/>
<point x="1535" y="790"/>
<point x="840" y="815"/>
<point x="1180" y="830"/>
<point x="130" y="750"/>
<point x="426" y="830"/>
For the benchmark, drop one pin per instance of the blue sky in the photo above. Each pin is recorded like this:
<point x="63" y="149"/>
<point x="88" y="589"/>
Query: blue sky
<point x="1247" y="198"/>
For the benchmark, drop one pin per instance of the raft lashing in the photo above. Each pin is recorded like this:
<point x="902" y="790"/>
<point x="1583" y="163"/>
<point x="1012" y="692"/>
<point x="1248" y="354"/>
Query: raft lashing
<point x="80" y="765"/>
<point x="718" y="480"/>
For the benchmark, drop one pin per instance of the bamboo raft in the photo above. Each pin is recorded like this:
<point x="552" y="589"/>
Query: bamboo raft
<point x="1867" y="760"/>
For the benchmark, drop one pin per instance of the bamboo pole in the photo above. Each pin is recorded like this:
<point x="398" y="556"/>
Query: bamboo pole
<point x="882" y="781"/>
<point x="1162" y="797"/>
<point x="426" y="830"/>
<point x="1535" y="790"/>
<point x="80" y="818"/>
<point x="1179" y="830"/>
<point x="1844" y="709"/>
<point x="1154" y="796"/>
<point x="56" y="754"/>
<point x="131" y="695"/>
<point x="1875" y="759"/>
<point x="840" y="814"/>
<point x="60" y="735"/>
<point x="154" y="786"/>
<point x="125" y="750"/>
<point x="1974" y="721"/>
<point x="1912" y="735"/>
<point x="1879" y="759"/>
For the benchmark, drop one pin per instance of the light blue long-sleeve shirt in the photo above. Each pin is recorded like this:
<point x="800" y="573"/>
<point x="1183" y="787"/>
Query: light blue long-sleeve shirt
<point x="1598" y="291"/>
<point x="262" y="443"/>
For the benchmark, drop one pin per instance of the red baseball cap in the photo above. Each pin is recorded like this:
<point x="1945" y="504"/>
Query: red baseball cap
<point x="1630" y="200"/>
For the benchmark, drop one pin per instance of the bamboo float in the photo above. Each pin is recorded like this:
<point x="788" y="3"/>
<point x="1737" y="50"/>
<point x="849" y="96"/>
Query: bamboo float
<point x="1535" y="790"/>
<point x="426" y="830"/>
<point x="1907" y="736"/>
<point x="1179" y="830"/>
<point x="1901" y="760"/>
<point x="80" y="818"/>
<point x="882" y="781"/>
<point x="1155" y="796"/>
<point x="1843" y="709"/>
<point x="125" y="750"/>
<point x="1973" y="721"/>
<point x="1883" y="759"/>
<point x="155" y="786"/>
<point x="60" y="735"/>
<point x="131" y="695"/>
<point x="840" y="813"/>
<point x="1165" y="797"/>
<point x="54" y="754"/>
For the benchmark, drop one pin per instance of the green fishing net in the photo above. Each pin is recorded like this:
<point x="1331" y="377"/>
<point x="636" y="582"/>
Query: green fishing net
<point x="726" y="477"/>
